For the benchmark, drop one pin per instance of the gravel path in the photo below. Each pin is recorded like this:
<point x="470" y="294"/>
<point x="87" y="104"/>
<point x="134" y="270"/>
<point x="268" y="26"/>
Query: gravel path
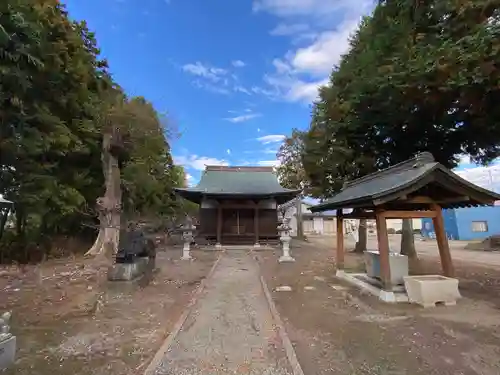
<point x="230" y="330"/>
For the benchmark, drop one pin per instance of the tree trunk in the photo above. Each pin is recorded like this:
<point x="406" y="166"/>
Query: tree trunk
<point x="407" y="239"/>
<point x="109" y="206"/>
<point x="362" y="237"/>
<point x="300" y="226"/>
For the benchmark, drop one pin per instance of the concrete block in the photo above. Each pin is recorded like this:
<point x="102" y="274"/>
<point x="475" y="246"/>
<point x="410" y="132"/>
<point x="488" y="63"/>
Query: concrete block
<point x="398" y="264"/>
<point x="7" y="352"/>
<point x="128" y="271"/>
<point x="427" y="290"/>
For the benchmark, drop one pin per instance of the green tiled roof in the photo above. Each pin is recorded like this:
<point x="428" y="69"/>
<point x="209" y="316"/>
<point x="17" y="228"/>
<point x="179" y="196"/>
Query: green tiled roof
<point x="237" y="181"/>
<point x="405" y="177"/>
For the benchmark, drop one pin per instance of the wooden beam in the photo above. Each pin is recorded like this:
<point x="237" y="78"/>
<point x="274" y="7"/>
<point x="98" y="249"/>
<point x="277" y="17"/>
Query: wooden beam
<point x="340" y="241"/>
<point x="407" y="214"/>
<point x="390" y="214"/>
<point x="383" y="248"/>
<point x="416" y="199"/>
<point x="256" y="225"/>
<point x="442" y="241"/>
<point x="219" y="224"/>
<point x="428" y="200"/>
<point x="360" y="215"/>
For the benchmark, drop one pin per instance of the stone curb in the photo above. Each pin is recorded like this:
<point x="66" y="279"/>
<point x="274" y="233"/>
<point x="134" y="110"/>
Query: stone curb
<point x="160" y="354"/>
<point x="285" y="340"/>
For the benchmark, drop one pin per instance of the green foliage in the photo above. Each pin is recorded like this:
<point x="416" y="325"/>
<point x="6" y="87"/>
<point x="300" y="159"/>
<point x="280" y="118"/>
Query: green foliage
<point x="56" y="99"/>
<point x="419" y="76"/>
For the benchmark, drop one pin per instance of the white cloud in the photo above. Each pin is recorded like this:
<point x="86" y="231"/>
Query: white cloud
<point x="216" y="79"/>
<point x="293" y="88"/>
<point x="238" y="63"/>
<point x="298" y="74"/>
<point x="209" y="72"/>
<point x="284" y="29"/>
<point x="211" y="87"/>
<point x="258" y="130"/>
<point x="486" y="177"/>
<point x="321" y="56"/>
<point x="464" y="160"/>
<point x="243" y="118"/>
<point x="272" y="138"/>
<point x="242" y="89"/>
<point x="198" y="162"/>
<point x="228" y="151"/>
<point x="318" y="8"/>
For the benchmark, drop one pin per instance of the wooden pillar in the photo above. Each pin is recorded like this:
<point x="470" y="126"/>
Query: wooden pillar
<point x="256" y="224"/>
<point x="383" y="248"/>
<point x="442" y="242"/>
<point x="219" y="224"/>
<point x="340" y="241"/>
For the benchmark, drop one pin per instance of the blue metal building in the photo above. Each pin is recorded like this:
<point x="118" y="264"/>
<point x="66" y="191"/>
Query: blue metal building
<point x="471" y="223"/>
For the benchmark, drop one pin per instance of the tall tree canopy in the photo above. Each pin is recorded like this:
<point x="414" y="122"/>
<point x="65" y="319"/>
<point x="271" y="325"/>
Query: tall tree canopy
<point x="57" y="101"/>
<point x="419" y="76"/>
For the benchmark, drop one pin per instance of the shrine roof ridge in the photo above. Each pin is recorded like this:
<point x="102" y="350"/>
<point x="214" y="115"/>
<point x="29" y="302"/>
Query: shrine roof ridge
<point x="238" y="168"/>
<point x="393" y="184"/>
<point x="239" y="182"/>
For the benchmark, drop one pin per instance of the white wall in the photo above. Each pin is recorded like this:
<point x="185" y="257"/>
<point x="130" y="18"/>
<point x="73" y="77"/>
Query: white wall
<point x="397" y="224"/>
<point x="318" y="225"/>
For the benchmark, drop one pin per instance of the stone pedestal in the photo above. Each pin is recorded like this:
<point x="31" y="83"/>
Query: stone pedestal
<point x="218" y="246"/>
<point x="7" y="343"/>
<point x="256" y="246"/>
<point x="7" y="352"/>
<point x="128" y="271"/>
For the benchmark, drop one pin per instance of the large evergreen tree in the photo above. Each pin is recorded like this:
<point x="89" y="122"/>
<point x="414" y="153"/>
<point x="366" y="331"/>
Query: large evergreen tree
<point x="419" y="76"/>
<point x="59" y="106"/>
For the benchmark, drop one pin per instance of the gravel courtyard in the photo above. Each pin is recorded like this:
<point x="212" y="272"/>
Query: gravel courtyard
<point x="336" y="329"/>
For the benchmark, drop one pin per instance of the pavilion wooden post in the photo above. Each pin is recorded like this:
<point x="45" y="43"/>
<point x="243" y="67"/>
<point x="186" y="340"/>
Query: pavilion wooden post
<point x="442" y="241"/>
<point x="340" y="241"/>
<point x="256" y="225"/>
<point x="383" y="248"/>
<point x="219" y="226"/>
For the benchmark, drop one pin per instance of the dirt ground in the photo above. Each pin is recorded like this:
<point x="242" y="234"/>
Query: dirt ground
<point x="336" y="329"/>
<point x="57" y="335"/>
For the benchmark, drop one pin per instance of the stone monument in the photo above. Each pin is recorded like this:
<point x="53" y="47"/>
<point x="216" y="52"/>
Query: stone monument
<point x="7" y="342"/>
<point x="285" y="238"/>
<point x="187" y="235"/>
<point x="136" y="254"/>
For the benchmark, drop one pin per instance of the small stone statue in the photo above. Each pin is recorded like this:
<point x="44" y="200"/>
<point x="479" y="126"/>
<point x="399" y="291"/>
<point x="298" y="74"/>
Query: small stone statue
<point x="4" y="326"/>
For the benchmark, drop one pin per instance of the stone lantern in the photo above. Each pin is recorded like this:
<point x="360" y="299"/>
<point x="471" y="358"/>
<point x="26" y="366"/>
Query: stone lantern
<point x="5" y="207"/>
<point x="187" y="235"/>
<point x="284" y="229"/>
<point x="7" y="342"/>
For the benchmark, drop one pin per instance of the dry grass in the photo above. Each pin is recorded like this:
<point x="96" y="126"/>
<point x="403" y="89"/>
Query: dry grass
<point x="58" y="334"/>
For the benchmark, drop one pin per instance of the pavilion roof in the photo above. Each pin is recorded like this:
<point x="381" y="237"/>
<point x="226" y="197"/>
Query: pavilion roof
<point x="420" y="176"/>
<point x="5" y="202"/>
<point x="238" y="182"/>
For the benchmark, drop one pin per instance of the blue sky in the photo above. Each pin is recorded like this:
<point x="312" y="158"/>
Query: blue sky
<point x="233" y="76"/>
